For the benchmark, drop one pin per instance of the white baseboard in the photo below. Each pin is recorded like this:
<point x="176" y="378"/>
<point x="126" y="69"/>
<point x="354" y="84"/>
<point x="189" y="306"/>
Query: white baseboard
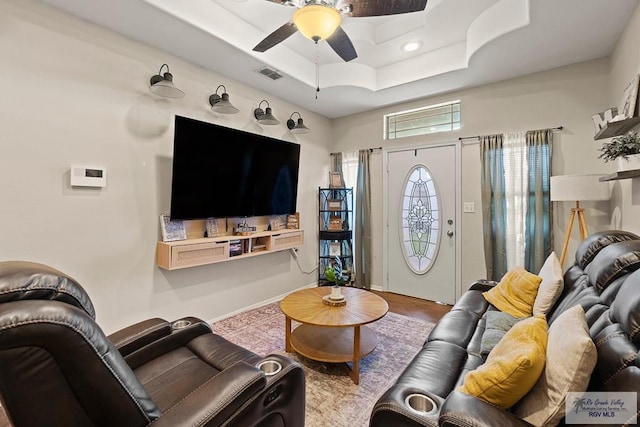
<point x="259" y="304"/>
<point x="274" y="299"/>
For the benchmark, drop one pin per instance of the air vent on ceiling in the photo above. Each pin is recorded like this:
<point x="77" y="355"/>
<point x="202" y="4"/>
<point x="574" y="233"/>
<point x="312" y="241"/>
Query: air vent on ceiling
<point x="270" y="73"/>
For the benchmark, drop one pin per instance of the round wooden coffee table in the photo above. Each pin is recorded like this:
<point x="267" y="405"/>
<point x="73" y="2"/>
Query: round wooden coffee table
<point x="332" y="334"/>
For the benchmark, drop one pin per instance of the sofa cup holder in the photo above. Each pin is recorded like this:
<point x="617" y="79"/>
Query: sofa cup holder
<point x="180" y="324"/>
<point x="270" y="367"/>
<point x="421" y="404"/>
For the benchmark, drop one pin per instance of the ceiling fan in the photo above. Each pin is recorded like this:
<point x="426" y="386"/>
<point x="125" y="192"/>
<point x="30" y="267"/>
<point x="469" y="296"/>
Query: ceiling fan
<point x="320" y="20"/>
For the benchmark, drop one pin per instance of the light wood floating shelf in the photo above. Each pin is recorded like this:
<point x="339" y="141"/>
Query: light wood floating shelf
<point x="620" y="175"/>
<point x="203" y="251"/>
<point x="617" y="128"/>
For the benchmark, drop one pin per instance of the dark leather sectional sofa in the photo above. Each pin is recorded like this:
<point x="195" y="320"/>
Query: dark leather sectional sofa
<point x="604" y="280"/>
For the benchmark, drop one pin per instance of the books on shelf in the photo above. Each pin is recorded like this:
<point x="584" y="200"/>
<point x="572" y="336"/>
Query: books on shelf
<point x="259" y="248"/>
<point x="235" y="248"/>
<point x="172" y="230"/>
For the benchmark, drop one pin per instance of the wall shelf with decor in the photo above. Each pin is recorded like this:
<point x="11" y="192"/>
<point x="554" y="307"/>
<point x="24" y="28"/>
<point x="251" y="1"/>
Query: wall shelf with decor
<point x="335" y="230"/>
<point x="621" y="175"/>
<point x="617" y="128"/>
<point x="202" y="251"/>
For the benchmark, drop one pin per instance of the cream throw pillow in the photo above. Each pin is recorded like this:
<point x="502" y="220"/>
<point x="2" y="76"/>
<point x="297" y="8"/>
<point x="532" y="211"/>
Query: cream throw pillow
<point x="551" y="286"/>
<point x="516" y="292"/>
<point x="571" y="358"/>
<point x="513" y="366"/>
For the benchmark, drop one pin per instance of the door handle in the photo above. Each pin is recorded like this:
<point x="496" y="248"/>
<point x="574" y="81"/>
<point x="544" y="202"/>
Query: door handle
<point x="450" y="233"/>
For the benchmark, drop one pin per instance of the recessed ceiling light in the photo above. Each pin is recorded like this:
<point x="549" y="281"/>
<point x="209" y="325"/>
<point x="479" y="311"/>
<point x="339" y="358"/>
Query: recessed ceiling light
<point x="411" y="46"/>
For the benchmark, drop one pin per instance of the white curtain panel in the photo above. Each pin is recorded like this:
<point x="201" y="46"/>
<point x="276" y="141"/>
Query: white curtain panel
<point x="350" y="168"/>
<point x="516" y="182"/>
<point x="350" y="172"/>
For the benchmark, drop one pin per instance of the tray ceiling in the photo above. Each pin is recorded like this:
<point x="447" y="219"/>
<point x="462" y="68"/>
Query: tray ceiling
<point x="464" y="43"/>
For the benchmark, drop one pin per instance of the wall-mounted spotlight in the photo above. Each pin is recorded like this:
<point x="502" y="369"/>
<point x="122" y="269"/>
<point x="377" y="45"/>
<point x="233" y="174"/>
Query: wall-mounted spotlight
<point x="298" y="127"/>
<point x="221" y="104"/>
<point x="264" y="117"/>
<point x="162" y="84"/>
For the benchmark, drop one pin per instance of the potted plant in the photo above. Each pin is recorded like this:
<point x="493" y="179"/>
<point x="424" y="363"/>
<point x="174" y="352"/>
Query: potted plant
<point x="624" y="149"/>
<point x="334" y="273"/>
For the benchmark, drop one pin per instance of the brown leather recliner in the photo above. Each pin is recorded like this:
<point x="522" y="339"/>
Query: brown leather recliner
<point x="57" y="367"/>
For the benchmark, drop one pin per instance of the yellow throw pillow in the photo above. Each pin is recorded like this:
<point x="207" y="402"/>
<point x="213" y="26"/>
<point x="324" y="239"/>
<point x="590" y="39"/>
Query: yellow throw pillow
<point x="513" y="366"/>
<point x="516" y="292"/>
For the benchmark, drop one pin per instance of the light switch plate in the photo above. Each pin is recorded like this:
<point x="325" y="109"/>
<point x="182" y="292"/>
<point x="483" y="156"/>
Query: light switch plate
<point x="469" y="207"/>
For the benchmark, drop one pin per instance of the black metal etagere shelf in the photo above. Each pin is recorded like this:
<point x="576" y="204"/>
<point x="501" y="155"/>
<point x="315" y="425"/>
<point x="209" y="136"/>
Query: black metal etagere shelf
<point x="335" y="231"/>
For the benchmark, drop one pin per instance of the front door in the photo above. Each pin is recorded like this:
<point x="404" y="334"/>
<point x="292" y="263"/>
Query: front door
<point x="421" y="227"/>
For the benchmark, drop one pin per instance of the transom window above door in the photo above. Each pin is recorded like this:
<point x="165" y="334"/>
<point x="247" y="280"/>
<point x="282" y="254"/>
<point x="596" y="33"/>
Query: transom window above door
<point x="431" y="119"/>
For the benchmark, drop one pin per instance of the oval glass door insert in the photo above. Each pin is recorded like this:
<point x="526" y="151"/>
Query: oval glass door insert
<point x="420" y="220"/>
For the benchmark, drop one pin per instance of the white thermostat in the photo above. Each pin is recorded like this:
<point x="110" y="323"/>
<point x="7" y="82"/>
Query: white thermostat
<point x="88" y="176"/>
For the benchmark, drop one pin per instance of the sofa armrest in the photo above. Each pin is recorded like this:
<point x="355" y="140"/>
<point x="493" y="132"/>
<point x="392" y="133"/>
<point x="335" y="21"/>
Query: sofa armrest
<point x="179" y="336"/>
<point x="482" y="285"/>
<point x="392" y="409"/>
<point x="217" y="399"/>
<point x="138" y="335"/>
<point x="460" y="409"/>
<point x="284" y="395"/>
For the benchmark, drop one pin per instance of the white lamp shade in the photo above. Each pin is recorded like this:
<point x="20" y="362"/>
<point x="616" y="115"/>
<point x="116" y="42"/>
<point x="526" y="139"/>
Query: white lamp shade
<point x="579" y="188"/>
<point x="317" y="22"/>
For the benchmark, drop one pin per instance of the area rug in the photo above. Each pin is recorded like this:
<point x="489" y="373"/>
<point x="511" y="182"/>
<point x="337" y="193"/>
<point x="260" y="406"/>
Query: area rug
<point x="332" y="397"/>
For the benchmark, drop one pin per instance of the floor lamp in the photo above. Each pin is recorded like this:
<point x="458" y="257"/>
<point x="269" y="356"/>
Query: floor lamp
<point x="577" y="188"/>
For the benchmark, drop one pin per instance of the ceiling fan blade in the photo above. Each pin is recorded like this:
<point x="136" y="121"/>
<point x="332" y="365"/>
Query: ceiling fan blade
<point x="341" y="44"/>
<point x="384" y="7"/>
<point x="276" y="37"/>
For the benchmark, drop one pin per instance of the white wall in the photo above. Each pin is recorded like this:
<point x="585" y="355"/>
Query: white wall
<point x="566" y="97"/>
<point x="625" y="64"/>
<point x="74" y="93"/>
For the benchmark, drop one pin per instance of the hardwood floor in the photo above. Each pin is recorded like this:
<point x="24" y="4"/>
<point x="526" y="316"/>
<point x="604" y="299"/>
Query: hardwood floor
<point x="414" y="307"/>
<point x="400" y="304"/>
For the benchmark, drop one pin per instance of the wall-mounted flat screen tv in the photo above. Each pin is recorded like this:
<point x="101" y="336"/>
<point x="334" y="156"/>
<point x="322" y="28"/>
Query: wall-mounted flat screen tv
<point x="220" y="172"/>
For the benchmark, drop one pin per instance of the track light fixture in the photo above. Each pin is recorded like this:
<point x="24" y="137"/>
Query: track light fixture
<point x="221" y="104"/>
<point x="264" y="117"/>
<point x="162" y="84"/>
<point x="299" y="127"/>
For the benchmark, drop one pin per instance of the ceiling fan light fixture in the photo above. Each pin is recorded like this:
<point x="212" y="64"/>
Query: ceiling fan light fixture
<point x="317" y="22"/>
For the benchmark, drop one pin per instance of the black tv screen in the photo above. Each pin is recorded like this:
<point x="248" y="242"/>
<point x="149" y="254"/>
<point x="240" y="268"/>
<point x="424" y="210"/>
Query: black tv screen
<point x="220" y="172"/>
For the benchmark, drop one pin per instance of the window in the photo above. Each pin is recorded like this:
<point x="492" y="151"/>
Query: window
<point x="516" y="183"/>
<point x="443" y="117"/>
<point x="420" y="220"/>
<point x="515" y="197"/>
